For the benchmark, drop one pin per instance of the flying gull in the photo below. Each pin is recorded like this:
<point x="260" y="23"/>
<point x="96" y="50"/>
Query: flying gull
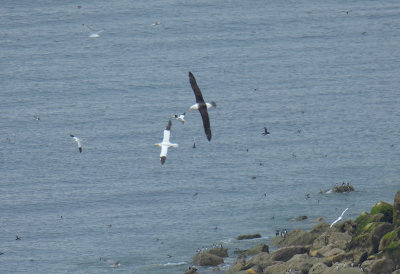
<point x="94" y="34"/>
<point x="201" y="106"/>
<point x="340" y="217"/>
<point x="165" y="144"/>
<point x="78" y="141"/>
<point x="180" y="117"/>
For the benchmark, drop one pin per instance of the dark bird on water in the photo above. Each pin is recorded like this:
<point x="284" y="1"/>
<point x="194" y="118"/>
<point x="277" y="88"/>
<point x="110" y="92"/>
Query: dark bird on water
<point x="202" y="106"/>
<point x="265" y="131"/>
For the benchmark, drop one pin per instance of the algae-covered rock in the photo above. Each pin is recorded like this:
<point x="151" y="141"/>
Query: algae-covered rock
<point x="396" y="210"/>
<point x="218" y="251"/>
<point x="207" y="259"/>
<point x="300" y="262"/>
<point x="301" y="218"/>
<point x="262" y="259"/>
<point x="390" y="245"/>
<point x="366" y="219"/>
<point x="300" y="237"/>
<point x="336" y="239"/>
<point x="343" y="188"/>
<point x="383" y="265"/>
<point x="257" y="249"/>
<point x="288" y="252"/>
<point x="248" y="236"/>
<point x="384" y="208"/>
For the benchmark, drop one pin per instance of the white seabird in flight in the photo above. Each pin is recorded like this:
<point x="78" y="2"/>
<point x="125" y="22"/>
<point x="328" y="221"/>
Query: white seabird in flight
<point x="94" y="34"/>
<point x="78" y="141"/>
<point x="165" y="144"/>
<point x="340" y="217"/>
<point x="180" y="117"/>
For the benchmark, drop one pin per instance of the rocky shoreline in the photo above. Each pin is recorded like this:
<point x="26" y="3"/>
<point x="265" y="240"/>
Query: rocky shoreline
<point x="370" y="244"/>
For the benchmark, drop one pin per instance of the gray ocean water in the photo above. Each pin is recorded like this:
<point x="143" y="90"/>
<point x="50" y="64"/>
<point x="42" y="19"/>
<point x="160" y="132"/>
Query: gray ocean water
<point x="324" y="82"/>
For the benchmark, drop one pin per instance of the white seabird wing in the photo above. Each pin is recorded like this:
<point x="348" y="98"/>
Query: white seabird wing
<point x="337" y="220"/>
<point x="343" y="212"/>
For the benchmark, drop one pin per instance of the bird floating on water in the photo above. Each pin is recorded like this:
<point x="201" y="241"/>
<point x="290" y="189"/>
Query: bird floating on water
<point x="340" y="217"/>
<point x="165" y="144"/>
<point x="94" y="34"/>
<point x="265" y="131"/>
<point x="78" y="141"/>
<point x="156" y="23"/>
<point x="201" y="106"/>
<point x="114" y="264"/>
<point x="180" y="117"/>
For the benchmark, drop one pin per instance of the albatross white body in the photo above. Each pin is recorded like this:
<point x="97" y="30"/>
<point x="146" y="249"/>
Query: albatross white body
<point x="212" y="104"/>
<point x="165" y="144"/>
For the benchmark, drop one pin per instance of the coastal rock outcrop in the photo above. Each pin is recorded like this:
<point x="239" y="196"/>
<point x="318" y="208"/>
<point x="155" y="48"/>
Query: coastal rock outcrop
<point x="370" y="244"/>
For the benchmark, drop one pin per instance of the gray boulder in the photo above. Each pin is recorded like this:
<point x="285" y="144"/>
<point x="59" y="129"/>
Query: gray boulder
<point x="207" y="259"/>
<point x="286" y="253"/>
<point x="383" y="265"/>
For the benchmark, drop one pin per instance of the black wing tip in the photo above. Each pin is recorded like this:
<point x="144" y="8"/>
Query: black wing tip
<point x="169" y="125"/>
<point x="163" y="158"/>
<point x="80" y="150"/>
<point x="71" y="135"/>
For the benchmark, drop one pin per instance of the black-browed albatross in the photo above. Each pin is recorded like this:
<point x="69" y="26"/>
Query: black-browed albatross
<point x="201" y="106"/>
<point x="165" y="144"/>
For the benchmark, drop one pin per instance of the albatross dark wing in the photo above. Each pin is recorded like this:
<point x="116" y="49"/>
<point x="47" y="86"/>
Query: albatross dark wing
<point x="206" y="121"/>
<point x="196" y="89"/>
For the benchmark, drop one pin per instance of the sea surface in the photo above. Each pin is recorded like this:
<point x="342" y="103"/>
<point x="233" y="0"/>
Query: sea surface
<point x="325" y="82"/>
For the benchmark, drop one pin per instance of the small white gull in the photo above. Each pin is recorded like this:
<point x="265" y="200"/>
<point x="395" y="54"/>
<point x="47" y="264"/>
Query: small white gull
<point x="340" y="217"/>
<point x="165" y="144"/>
<point x="180" y="117"/>
<point x="78" y="141"/>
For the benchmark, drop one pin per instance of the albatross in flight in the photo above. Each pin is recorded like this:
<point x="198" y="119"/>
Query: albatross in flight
<point x="340" y="217"/>
<point x="78" y="141"/>
<point x="165" y="144"/>
<point x="201" y="106"/>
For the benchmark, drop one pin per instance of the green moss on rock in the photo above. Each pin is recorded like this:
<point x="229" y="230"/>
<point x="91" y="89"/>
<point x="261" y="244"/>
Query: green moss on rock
<point x="364" y="220"/>
<point x="386" y="209"/>
<point x="248" y="236"/>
